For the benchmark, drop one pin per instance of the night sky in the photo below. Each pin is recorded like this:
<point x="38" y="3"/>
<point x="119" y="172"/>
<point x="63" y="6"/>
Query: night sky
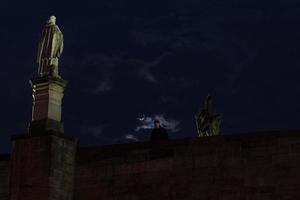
<point x="128" y="62"/>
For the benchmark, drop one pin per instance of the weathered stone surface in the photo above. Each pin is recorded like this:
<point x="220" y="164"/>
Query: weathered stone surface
<point x="250" y="166"/>
<point x="42" y="168"/>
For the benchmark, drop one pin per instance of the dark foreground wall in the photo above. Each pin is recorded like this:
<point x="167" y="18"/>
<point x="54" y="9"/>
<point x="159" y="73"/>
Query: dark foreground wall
<point x="257" y="166"/>
<point x="4" y="176"/>
<point x="249" y="166"/>
<point x="42" y="167"/>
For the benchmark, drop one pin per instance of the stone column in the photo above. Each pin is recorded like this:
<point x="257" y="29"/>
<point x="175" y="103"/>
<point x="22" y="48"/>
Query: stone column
<point x="47" y="103"/>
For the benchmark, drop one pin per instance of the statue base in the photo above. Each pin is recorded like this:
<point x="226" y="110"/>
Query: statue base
<point x="47" y="93"/>
<point x="42" y="126"/>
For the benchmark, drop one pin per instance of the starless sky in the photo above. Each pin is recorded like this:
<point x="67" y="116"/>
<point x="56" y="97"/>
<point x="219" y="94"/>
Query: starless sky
<point x="128" y="62"/>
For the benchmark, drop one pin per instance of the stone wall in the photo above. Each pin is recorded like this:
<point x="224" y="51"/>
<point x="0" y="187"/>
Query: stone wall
<point x="247" y="166"/>
<point x="62" y="172"/>
<point x="42" y="167"/>
<point x="4" y="176"/>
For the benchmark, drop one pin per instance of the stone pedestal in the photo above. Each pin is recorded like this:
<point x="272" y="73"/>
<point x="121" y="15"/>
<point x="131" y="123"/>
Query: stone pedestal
<point x="47" y="100"/>
<point x="42" y="167"/>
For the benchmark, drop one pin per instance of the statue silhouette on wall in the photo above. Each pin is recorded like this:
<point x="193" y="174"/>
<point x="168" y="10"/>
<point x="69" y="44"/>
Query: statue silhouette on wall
<point x="159" y="133"/>
<point x="208" y="120"/>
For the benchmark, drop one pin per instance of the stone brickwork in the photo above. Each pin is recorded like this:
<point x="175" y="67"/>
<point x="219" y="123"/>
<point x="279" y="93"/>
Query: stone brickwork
<point x="62" y="172"/>
<point x="250" y="166"/>
<point x="256" y="166"/>
<point x="4" y="176"/>
<point x="42" y="167"/>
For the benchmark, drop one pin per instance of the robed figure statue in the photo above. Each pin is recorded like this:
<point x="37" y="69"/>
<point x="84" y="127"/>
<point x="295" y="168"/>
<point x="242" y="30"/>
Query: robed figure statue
<point x="208" y="120"/>
<point x="50" y="49"/>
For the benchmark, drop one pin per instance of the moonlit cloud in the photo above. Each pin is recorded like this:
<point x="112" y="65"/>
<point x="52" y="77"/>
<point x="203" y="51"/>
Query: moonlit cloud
<point x="94" y="130"/>
<point x="131" y="137"/>
<point x="146" y="74"/>
<point x="104" y="86"/>
<point x="144" y="71"/>
<point x="146" y="122"/>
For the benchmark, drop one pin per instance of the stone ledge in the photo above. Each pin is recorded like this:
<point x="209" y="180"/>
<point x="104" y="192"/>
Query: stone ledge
<point x="43" y="134"/>
<point x="51" y="79"/>
<point x="41" y="126"/>
<point x="281" y="134"/>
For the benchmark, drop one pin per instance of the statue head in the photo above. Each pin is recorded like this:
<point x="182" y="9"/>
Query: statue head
<point x="156" y="124"/>
<point x="52" y="19"/>
<point x="208" y="101"/>
<point x="208" y="98"/>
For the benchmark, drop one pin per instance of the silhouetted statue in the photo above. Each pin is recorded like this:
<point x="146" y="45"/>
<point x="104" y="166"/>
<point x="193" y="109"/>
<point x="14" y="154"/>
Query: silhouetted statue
<point x="159" y="133"/>
<point x="50" y="49"/>
<point x="208" y="120"/>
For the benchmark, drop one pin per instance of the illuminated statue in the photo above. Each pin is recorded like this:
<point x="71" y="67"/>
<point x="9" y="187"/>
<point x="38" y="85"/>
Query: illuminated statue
<point x="50" y="49"/>
<point x="208" y="120"/>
